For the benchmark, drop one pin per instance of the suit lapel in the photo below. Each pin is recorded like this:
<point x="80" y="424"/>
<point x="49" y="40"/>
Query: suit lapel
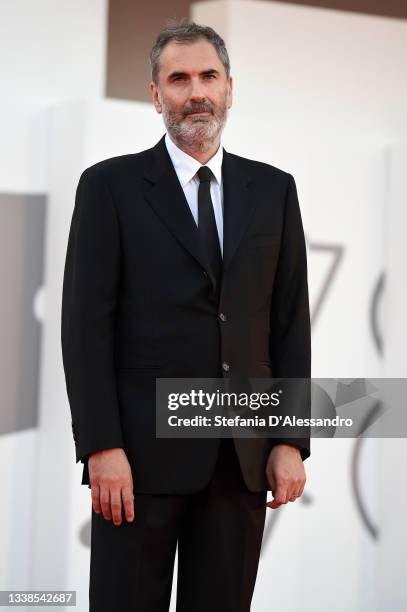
<point x="166" y="196"/>
<point x="238" y="204"/>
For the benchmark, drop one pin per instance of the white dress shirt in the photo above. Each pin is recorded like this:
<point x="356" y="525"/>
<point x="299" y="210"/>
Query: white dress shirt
<point x="186" y="168"/>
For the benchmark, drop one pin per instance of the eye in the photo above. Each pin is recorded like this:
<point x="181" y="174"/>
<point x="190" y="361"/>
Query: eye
<point x="210" y="76"/>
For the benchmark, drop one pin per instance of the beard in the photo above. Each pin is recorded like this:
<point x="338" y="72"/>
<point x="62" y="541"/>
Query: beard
<point x="195" y="133"/>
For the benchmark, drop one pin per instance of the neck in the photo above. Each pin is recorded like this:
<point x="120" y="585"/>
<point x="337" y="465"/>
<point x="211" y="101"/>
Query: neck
<point x="201" y="151"/>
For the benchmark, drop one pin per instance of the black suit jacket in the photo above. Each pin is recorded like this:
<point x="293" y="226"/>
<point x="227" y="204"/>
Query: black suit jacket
<point x="139" y="302"/>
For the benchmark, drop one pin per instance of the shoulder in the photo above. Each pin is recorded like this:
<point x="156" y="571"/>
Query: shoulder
<point x="118" y="167"/>
<point x="259" y="170"/>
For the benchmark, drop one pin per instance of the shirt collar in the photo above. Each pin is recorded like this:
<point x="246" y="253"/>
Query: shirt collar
<point x="186" y="166"/>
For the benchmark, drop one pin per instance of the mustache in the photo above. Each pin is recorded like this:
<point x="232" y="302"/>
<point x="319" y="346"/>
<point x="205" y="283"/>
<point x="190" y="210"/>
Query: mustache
<point x="204" y="107"/>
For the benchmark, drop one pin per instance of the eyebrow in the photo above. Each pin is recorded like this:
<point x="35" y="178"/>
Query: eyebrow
<point x="177" y="73"/>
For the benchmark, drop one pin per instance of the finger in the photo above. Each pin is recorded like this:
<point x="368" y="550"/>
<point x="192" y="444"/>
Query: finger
<point x="297" y="493"/>
<point x="281" y="495"/>
<point x="105" y="502"/>
<point x="292" y="494"/>
<point x="301" y="490"/>
<point x="95" y="493"/>
<point x="273" y="504"/>
<point x="298" y="489"/>
<point x="116" y="505"/>
<point x="128" y="503"/>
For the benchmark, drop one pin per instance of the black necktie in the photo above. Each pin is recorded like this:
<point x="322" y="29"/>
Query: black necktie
<point x="207" y="224"/>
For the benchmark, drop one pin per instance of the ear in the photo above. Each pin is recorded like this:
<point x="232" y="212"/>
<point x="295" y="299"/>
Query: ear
<point x="229" y="97"/>
<point x="155" y="96"/>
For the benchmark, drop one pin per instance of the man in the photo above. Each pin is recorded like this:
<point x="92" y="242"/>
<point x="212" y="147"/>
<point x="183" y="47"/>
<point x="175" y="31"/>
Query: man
<point x="183" y="260"/>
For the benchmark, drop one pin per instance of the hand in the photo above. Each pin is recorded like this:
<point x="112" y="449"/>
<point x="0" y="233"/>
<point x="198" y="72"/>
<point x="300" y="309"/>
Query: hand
<point x="285" y="474"/>
<point x="111" y="481"/>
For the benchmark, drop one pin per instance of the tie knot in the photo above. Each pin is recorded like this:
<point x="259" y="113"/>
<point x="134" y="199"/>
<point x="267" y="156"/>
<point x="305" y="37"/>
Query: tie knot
<point x="205" y="174"/>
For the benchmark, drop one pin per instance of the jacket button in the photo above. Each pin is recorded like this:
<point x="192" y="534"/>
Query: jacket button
<point x="225" y="366"/>
<point x="222" y="317"/>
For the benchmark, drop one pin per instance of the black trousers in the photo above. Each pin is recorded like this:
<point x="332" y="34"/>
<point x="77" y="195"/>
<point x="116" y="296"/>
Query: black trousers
<point x="218" y="530"/>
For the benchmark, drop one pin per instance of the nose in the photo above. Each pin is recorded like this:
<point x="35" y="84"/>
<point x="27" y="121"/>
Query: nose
<point x="197" y="90"/>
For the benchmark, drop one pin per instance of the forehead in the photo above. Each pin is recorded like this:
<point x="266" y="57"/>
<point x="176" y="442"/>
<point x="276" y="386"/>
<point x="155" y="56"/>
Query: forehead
<point x="189" y="57"/>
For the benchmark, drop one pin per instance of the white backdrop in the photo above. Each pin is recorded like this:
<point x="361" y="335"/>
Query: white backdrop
<point x="47" y="56"/>
<point x="321" y="94"/>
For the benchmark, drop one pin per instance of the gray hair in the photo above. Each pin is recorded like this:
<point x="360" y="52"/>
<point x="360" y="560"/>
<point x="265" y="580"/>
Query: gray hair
<point x="186" y="32"/>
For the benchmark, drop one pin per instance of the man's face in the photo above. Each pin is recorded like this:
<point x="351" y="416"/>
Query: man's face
<point x="193" y="93"/>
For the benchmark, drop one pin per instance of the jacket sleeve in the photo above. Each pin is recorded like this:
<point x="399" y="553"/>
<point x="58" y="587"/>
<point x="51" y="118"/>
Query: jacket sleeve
<point x="90" y="286"/>
<point x="290" y="327"/>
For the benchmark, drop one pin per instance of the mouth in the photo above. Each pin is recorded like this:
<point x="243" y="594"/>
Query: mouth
<point x="202" y="113"/>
